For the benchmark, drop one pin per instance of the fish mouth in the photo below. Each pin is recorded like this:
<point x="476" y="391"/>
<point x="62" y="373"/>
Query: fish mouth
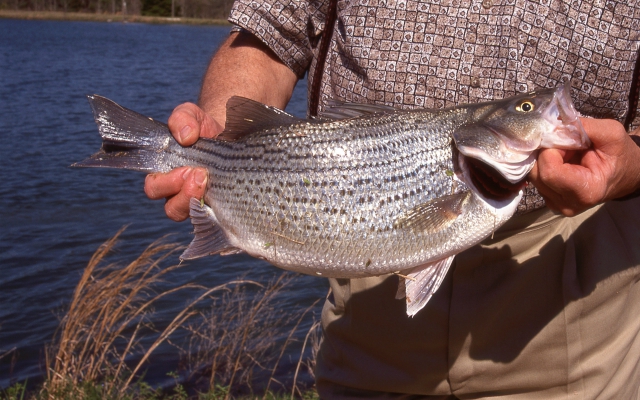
<point x="485" y="179"/>
<point x="512" y="165"/>
<point x="566" y="131"/>
<point x="489" y="182"/>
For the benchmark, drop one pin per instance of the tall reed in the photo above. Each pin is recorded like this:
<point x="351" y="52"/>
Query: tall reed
<point x="110" y="312"/>
<point x="239" y="343"/>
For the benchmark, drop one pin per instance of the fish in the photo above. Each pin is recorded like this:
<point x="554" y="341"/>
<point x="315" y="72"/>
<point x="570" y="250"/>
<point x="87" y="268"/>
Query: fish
<point x="363" y="190"/>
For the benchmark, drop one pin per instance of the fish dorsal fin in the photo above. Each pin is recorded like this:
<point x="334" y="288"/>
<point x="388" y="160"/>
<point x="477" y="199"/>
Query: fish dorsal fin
<point x="421" y="283"/>
<point x="209" y="237"/>
<point x="435" y="215"/>
<point x="246" y="116"/>
<point x="342" y="110"/>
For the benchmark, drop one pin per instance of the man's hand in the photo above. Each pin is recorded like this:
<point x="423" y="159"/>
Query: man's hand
<point x="572" y="181"/>
<point x="242" y="66"/>
<point x="187" y="123"/>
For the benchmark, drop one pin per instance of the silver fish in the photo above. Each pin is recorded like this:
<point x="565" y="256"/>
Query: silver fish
<point x="363" y="191"/>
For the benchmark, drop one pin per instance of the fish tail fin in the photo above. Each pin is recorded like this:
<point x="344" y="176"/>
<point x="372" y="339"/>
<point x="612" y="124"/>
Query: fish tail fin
<point x="129" y="140"/>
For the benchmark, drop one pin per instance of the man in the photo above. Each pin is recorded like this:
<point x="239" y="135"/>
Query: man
<point x="545" y="309"/>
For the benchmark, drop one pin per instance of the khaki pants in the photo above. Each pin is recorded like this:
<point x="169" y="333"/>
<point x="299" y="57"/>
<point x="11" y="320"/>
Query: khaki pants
<point x="547" y="309"/>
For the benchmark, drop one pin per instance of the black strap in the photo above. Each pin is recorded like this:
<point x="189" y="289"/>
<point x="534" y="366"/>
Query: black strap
<point x="325" y="41"/>
<point x="634" y="95"/>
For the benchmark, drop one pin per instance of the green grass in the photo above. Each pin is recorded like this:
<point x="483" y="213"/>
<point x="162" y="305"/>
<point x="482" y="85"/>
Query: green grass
<point x="92" y="391"/>
<point x="139" y="391"/>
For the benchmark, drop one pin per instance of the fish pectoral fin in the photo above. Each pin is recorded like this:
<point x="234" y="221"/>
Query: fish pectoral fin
<point x="421" y="283"/>
<point x="209" y="237"/>
<point x="435" y="215"/>
<point x="246" y="117"/>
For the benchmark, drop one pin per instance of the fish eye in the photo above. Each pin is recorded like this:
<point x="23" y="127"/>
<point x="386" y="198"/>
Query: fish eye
<point x="526" y="106"/>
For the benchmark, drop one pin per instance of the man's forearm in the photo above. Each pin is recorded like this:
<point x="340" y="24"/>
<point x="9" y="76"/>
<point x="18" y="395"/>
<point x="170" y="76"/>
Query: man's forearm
<point x="244" y="66"/>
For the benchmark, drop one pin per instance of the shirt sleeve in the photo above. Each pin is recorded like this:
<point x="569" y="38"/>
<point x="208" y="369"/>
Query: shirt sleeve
<point x="290" y="28"/>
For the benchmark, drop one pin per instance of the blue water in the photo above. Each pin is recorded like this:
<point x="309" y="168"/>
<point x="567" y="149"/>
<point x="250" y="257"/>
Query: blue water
<point x="52" y="217"/>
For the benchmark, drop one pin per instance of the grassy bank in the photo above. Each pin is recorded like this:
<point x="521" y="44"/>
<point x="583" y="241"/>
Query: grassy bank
<point x="79" y="16"/>
<point x="237" y="336"/>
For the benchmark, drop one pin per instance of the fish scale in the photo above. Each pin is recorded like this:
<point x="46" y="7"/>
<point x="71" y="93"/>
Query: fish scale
<point x="364" y="191"/>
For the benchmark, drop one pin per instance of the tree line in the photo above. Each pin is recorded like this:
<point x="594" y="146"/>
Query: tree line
<point x="211" y="9"/>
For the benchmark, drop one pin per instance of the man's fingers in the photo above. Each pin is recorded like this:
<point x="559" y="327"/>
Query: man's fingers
<point x="546" y="166"/>
<point x="158" y="186"/>
<point x="184" y="123"/>
<point x="177" y="207"/>
<point x="179" y="186"/>
<point x="556" y="181"/>
<point x="603" y="131"/>
<point x="188" y="122"/>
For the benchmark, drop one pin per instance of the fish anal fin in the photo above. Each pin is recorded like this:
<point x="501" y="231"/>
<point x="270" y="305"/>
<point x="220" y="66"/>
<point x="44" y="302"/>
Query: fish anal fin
<point x="209" y="237"/>
<point x="421" y="283"/>
<point x="435" y="215"/>
<point x="246" y="117"/>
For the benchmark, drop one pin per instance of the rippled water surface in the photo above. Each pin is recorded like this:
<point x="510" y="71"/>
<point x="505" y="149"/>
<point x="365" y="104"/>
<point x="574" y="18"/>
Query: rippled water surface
<point x="52" y="217"/>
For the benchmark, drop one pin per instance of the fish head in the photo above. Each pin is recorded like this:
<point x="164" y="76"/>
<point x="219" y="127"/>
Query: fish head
<point x="505" y="135"/>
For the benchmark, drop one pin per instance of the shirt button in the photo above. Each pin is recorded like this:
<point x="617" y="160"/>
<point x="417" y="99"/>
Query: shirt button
<point x="475" y="82"/>
<point x="487" y="4"/>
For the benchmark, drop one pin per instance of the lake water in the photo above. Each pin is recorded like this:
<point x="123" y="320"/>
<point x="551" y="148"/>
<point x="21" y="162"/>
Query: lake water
<point x="52" y="217"/>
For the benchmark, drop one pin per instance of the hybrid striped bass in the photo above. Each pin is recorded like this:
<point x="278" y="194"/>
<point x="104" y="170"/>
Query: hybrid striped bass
<point x="366" y="190"/>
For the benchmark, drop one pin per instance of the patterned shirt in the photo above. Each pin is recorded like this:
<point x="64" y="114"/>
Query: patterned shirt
<point x="440" y="53"/>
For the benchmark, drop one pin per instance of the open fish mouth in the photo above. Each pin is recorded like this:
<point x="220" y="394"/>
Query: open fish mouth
<point x="503" y="151"/>
<point x="567" y="132"/>
<point x="512" y="168"/>
<point x="490" y="183"/>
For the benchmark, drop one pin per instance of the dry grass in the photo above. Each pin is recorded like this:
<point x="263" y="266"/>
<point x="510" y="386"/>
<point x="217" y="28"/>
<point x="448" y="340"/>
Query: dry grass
<point x="237" y="343"/>
<point x="6" y="353"/>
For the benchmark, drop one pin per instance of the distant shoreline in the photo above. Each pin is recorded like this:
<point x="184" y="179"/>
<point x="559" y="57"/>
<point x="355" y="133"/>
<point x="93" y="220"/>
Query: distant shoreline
<point x="79" y="16"/>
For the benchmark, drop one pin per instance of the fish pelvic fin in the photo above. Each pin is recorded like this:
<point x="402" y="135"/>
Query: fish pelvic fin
<point x="435" y="215"/>
<point x="209" y="237"/>
<point x="129" y="140"/>
<point x="421" y="282"/>
<point x="246" y="117"/>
